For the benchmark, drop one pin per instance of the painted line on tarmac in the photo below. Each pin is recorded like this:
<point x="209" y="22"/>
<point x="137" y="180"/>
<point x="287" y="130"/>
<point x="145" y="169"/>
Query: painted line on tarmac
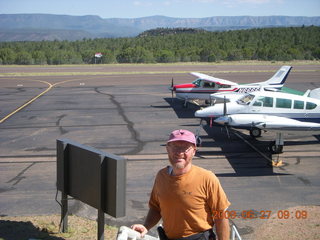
<point x="253" y="147"/>
<point x="36" y="97"/>
<point x="27" y="103"/>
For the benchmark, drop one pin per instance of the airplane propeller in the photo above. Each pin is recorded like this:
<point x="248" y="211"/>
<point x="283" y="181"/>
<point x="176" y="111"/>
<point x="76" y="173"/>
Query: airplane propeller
<point x="225" y="115"/>
<point x="172" y="84"/>
<point x="224" y="106"/>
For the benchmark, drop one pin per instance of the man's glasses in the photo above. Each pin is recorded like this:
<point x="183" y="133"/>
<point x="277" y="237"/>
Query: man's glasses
<point x="180" y="149"/>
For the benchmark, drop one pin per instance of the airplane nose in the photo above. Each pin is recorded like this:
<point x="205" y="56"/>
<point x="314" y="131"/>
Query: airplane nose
<point x="208" y="112"/>
<point x="203" y="113"/>
<point x="199" y="113"/>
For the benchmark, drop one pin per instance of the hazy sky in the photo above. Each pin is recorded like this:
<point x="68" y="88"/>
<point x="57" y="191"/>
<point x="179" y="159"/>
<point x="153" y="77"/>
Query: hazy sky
<point x="170" y="8"/>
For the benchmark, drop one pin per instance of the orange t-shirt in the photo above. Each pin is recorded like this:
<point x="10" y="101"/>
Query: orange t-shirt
<point x="187" y="202"/>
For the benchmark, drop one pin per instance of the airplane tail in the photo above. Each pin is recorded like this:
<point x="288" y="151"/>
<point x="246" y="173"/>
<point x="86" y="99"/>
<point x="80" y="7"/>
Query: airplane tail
<point x="280" y="76"/>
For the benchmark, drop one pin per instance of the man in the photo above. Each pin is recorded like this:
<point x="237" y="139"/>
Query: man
<point x="186" y="197"/>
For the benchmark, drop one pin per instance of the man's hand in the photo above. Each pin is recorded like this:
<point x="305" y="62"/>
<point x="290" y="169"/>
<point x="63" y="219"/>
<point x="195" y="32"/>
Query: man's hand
<point x="140" y="228"/>
<point x="152" y="219"/>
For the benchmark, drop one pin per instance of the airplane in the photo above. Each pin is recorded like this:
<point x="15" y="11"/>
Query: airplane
<point x="206" y="87"/>
<point x="268" y="111"/>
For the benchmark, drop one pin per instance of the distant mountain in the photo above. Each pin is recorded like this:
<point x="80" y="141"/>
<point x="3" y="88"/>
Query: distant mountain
<point x="42" y="34"/>
<point x="36" y="27"/>
<point x="237" y="21"/>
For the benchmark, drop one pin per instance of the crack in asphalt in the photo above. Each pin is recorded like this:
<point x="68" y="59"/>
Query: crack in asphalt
<point x="130" y="125"/>
<point x="61" y="129"/>
<point x="20" y="176"/>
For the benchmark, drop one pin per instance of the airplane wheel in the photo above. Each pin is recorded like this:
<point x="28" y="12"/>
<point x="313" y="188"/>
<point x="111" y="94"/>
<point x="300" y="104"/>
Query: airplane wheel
<point x="199" y="141"/>
<point x="275" y="149"/>
<point x="255" y="132"/>
<point x="185" y="105"/>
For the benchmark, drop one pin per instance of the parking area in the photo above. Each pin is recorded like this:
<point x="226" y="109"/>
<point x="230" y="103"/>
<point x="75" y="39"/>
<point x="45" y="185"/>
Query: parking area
<point x="128" y="110"/>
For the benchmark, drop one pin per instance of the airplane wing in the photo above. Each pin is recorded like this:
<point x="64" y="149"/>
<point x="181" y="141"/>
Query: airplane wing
<point x="231" y="96"/>
<point x="212" y="79"/>
<point x="267" y="122"/>
<point x="315" y="93"/>
<point x="271" y="89"/>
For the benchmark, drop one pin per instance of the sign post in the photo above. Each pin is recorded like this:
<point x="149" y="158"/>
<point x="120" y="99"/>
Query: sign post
<point x="93" y="177"/>
<point x="97" y="55"/>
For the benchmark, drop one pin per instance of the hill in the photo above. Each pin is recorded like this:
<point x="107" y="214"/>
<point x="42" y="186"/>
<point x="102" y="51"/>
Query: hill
<point x="170" y="31"/>
<point x="35" y="27"/>
<point x="172" y="45"/>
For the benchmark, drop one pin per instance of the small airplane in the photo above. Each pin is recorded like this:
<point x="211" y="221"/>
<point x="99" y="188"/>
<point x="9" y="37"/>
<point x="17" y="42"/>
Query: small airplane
<point x="206" y="87"/>
<point x="268" y="111"/>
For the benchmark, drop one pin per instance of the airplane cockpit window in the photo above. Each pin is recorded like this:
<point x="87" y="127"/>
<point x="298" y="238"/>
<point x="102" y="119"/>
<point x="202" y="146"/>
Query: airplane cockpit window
<point x="208" y="84"/>
<point x="311" y="105"/>
<point x="245" y="100"/>
<point x="297" y="104"/>
<point x="263" y="101"/>
<point x="197" y="82"/>
<point x="268" y="102"/>
<point x="258" y="102"/>
<point x="283" y="103"/>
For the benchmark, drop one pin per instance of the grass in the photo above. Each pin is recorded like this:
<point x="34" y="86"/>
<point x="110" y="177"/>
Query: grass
<point x="107" y="68"/>
<point x="47" y="228"/>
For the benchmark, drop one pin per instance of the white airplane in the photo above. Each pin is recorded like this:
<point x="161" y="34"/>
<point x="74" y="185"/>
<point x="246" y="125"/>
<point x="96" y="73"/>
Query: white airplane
<point x="269" y="111"/>
<point x="206" y="87"/>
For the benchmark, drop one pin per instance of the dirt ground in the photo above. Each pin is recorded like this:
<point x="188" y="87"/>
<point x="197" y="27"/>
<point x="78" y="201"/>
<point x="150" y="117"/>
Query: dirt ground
<point x="300" y="222"/>
<point x="47" y="227"/>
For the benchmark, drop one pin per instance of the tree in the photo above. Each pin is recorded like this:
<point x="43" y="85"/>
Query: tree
<point x="175" y="45"/>
<point x="7" y="56"/>
<point x="165" y="56"/>
<point x="24" y="58"/>
<point x="39" y="57"/>
<point x="109" y="58"/>
<point x="135" y="55"/>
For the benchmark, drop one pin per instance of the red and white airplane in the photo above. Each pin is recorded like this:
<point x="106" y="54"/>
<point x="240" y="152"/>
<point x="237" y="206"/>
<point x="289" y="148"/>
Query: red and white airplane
<point x="206" y="87"/>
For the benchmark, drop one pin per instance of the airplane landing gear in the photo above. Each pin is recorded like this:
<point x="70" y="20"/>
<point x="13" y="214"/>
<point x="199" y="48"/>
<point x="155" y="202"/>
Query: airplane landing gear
<point x="186" y="103"/>
<point x="255" y="132"/>
<point x="276" y="146"/>
<point x="199" y="141"/>
<point x="198" y="138"/>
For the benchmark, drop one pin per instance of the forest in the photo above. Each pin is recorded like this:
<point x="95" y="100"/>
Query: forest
<point x="172" y="45"/>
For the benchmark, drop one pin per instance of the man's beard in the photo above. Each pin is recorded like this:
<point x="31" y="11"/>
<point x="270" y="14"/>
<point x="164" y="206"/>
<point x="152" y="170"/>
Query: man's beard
<point x="179" y="165"/>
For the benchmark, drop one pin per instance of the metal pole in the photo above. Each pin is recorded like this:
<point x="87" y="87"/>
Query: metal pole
<point x="64" y="212"/>
<point x="100" y="224"/>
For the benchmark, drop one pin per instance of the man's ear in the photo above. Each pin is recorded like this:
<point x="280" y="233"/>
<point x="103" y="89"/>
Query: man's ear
<point x="195" y="151"/>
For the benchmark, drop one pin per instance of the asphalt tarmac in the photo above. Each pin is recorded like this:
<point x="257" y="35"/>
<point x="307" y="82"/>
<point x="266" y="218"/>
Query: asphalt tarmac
<point x="127" y="110"/>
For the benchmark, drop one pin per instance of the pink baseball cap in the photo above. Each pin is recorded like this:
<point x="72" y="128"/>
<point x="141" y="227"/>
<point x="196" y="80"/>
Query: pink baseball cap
<point x="182" y="135"/>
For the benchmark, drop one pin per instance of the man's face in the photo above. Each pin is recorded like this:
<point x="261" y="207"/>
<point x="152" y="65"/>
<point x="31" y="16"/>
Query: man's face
<point x="180" y="154"/>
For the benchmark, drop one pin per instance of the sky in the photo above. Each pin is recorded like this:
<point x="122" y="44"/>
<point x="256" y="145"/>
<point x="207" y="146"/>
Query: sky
<point x="169" y="8"/>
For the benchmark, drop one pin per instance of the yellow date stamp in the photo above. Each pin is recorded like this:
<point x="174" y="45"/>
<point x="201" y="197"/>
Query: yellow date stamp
<point x="261" y="214"/>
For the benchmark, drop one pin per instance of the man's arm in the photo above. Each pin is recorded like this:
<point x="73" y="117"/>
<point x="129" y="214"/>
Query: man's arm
<point x="222" y="228"/>
<point x="153" y="217"/>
